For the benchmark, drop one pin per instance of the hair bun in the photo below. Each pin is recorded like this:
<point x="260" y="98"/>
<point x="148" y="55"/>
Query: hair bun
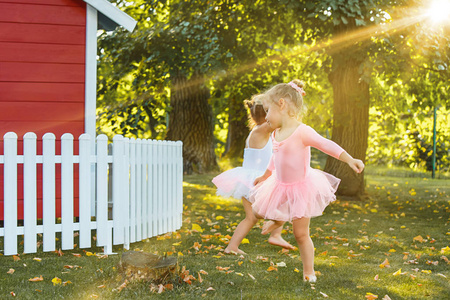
<point x="299" y="83"/>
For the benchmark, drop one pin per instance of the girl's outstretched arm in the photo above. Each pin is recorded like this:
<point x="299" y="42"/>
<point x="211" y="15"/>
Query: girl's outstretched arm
<point x="356" y="164"/>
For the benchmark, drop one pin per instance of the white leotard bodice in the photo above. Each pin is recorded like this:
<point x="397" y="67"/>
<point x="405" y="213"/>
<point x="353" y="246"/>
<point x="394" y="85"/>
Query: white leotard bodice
<point x="257" y="159"/>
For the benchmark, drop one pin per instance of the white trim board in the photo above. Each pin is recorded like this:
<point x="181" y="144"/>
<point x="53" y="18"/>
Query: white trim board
<point x="113" y="13"/>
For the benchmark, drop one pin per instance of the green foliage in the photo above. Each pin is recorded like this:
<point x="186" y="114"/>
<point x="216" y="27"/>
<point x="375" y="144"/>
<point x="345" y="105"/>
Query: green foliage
<point x="245" y="47"/>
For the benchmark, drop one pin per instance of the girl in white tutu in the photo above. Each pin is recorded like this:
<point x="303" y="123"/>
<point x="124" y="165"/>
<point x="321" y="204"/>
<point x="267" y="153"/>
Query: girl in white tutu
<point x="237" y="182"/>
<point x="290" y="190"/>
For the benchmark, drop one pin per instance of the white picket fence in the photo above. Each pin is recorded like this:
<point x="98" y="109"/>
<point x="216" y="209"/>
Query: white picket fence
<point x="145" y="183"/>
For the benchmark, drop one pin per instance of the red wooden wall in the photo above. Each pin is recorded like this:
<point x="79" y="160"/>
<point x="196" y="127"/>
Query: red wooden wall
<point x="42" y="74"/>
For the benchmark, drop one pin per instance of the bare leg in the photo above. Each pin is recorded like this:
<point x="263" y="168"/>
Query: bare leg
<point x="271" y="226"/>
<point x="306" y="247"/>
<point x="276" y="239"/>
<point x="242" y="229"/>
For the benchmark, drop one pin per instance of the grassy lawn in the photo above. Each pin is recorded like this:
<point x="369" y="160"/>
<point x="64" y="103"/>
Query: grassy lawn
<point x="406" y="223"/>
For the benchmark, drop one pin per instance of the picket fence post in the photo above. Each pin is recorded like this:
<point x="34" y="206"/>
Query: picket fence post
<point x="48" y="182"/>
<point x="10" y="192"/>
<point x="67" y="191"/>
<point x="85" y="190"/>
<point x="29" y="192"/>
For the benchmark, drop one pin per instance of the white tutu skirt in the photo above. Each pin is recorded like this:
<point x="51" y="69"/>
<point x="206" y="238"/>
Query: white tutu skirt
<point x="308" y="198"/>
<point x="236" y="182"/>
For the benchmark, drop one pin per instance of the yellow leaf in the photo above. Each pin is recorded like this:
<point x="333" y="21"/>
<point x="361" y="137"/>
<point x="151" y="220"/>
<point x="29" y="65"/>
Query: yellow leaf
<point x="176" y="244"/>
<point x="374" y="210"/>
<point x="56" y="281"/>
<point x="398" y="272"/>
<point x="196" y="227"/>
<point x="240" y="274"/>
<point x="371" y="296"/>
<point x="37" y="259"/>
<point x="426" y="271"/>
<point x="296" y="270"/>
<point x="445" y="250"/>
<point x="392" y="250"/>
<point x="218" y="207"/>
<point x="272" y="268"/>
<point x="66" y="282"/>
<point x="180" y="254"/>
<point x="89" y="253"/>
<point x="219" y="218"/>
<point x="245" y="241"/>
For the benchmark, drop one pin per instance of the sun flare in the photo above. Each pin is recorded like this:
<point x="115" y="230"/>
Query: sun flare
<point x="439" y="11"/>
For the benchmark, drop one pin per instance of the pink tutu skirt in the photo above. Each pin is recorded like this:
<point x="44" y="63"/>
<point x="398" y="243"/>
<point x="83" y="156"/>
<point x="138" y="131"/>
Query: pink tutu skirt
<point x="236" y="182"/>
<point x="275" y="200"/>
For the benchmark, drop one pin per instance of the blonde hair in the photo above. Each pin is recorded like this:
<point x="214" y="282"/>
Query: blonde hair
<point x="292" y="96"/>
<point x="257" y="113"/>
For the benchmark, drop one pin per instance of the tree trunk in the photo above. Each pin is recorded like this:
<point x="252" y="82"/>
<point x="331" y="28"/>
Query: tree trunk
<point x="237" y="129"/>
<point x="350" y="120"/>
<point x="191" y="121"/>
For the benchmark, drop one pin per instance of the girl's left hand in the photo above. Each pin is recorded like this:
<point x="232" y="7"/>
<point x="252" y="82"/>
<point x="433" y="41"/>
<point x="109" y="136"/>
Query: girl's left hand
<point x="357" y="165"/>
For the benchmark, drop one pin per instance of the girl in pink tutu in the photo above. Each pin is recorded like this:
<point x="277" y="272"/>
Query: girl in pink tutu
<point x="290" y="190"/>
<point x="237" y="182"/>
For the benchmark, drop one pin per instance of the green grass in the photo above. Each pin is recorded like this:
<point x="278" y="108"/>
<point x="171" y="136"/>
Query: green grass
<point x="352" y="239"/>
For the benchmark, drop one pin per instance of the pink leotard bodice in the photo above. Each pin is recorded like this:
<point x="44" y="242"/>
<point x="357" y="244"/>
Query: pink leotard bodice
<point x="291" y="157"/>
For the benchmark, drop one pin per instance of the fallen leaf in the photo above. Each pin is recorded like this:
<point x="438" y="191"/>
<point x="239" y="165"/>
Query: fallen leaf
<point x="88" y="253"/>
<point x="11" y="271"/>
<point x="245" y="241"/>
<point x="426" y="271"/>
<point x="37" y="259"/>
<point x="376" y="277"/>
<point x="272" y="268"/>
<point x="219" y="218"/>
<point x="76" y="254"/>
<point x="371" y="296"/>
<point x="324" y="295"/>
<point x="199" y="277"/>
<point x="251" y="276"/>
<point x="16" y="257"/>
<point x="281" y="264"/>
<point x="385" y="264"/>
<point x="56" y="281"/>
<point x="101" y="286"/>
<point x="210" y="289"/>
<point x="67" y="282"/>
<point x="418" y="238"/>
<point x="203" y="272"/>
<point x="196" y="228"/>
<point x="399" y="271"/>
<point x="386" y="297"/>
<point x="35" y="279"/>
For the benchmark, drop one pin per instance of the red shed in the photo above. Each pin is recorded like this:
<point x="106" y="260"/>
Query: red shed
<point x="48" y="69"/>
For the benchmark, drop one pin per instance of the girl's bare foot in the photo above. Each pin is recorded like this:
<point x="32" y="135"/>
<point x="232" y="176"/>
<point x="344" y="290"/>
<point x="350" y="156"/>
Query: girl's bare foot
<point x="279" y="241"/>
<point x="269" y="226"/>
<point x="235" y="252"/>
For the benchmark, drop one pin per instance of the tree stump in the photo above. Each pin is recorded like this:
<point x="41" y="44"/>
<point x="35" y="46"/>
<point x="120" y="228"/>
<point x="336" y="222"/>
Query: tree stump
<point x="141" y="266"/>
